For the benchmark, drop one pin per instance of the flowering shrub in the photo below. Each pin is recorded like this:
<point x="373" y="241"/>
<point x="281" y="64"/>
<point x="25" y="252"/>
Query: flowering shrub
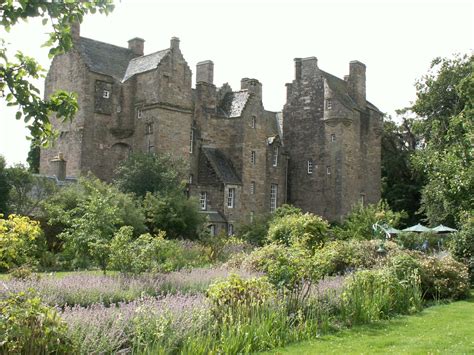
<point x="236" y="291"/>
<point x="20" y="241"/>
<point x="305" y="230"/>
<point x="443" y="278"/>
<point x="29" y="327"/>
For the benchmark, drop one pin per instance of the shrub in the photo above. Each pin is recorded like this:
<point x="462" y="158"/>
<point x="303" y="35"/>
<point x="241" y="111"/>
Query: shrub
<point x="21" y="240"/>
<point x="426" y="242"/>
<point x="305" y="230"/>
<point x="378" y="294"/>
<point x="222" y="247"/>
<point x="236" y="291"/>
<point x="443" y="278"/>
<point x="403" y="265"/>
<point x="358" y="224"/>
<point x="256" y="231"/>
<point x="29" y="327"/>
<point x="461" y="246"/>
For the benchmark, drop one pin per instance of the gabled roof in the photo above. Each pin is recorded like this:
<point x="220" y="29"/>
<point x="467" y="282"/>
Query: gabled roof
<point x="234" y="103"/>
<point x="221" y="165"/>
<point x="105" y="58"/>
<point x="339" y="89"/>
<point x="144" y="63"/>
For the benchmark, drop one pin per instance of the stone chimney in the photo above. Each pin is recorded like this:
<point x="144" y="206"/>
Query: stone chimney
<point x="59" y="166"/>
<point x="205" y="72"/>
<point x="297" y="69"/>
<point x="356" y="82"/>
<point x="75" y="31"/>
<point x="137" y="45"/>
<point x="309" y="67"/>
<point x="174" y="43"/>
<point x="253" y="86"/>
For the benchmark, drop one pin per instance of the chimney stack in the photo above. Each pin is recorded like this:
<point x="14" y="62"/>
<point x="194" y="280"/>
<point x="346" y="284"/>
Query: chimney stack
<point x="205" y="72"/>
<point x="356" y="82"/>
<point x="137" y="46"/>
<point x="297" y="69"/>
<point x="59" y="165"/>
<point x="253" y="86"/>
<point x="309" y="67"/>
<point x="174" y="43"/>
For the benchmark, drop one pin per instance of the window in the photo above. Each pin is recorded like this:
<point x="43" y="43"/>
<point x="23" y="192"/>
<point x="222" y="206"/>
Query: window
<point x="253" y="157"/>
<point x="273" y="197"/>
<point x="106" y="94"/>
<point x="275" y="156"/>
<point x="328" y="104"/>
<point x="362" y="199"/>
<point x="151" y="147"/>
<point x="252" y="188"/>
<point x="310" y="166"/>
<point x="139" y="113"/>
<point x="328" y="170"/>
<point x="191" y="178"/>
<point x="254" y="122"/>
<point x="203" y="200"/>
<point x="212" y="229"/>
<point x="252" y="216"/>
<point x="333" y="137"/>
<point x="191" y="141"/>
<point x="230" y="229"/>
<point x="231" y="197"/>
<point x="149" y="128"/>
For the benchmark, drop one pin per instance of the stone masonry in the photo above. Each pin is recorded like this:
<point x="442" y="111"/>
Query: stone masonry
<point x="322" y="153"/>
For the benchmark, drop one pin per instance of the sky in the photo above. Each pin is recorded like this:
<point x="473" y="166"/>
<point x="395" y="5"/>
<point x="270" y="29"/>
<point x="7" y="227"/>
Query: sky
<point x="397" y="41"/>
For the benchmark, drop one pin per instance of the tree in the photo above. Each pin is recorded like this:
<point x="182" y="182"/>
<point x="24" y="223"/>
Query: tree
<point x="445" y="105"/>
<point x="4" y="187"/>
<point x="16" y="74"/>
<point x="401" y="183"/>
<point x="142" y="173"/>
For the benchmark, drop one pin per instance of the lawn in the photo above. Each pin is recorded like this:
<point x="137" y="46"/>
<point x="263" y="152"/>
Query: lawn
<point x="446" y="329"/>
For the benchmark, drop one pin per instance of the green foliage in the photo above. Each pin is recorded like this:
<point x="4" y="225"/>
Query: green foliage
<point x="236" y="292"/>
<point x="29" y="327"/>
<point x="16" y="75"/>
<point x="174" y="213"/>
<point x="27" y="191"/>
<point x="91" y="212"/>
<point x="33" y="158"/>
<point x="256" y="231"/>
<point x="427" y="242"/>
<point x="20" y="241"/>
<point x="445" y="102"/>
<point x="142" y="173"/>
<point x="286" y="210"/>
<point x="23" y="272"/>
<point x="4" y="186"/>
<point x="296" y="229"/>
<point x="443" y="278"/>
<point x="358" y="224"/>
<point x="461" y="245"/>
<point x="401" y="184"/>
<point x="403" y="265"/>
<point x="372" y="295"/>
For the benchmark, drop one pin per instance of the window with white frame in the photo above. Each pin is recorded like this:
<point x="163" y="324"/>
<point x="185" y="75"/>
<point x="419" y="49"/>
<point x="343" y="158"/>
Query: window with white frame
<point x="273" y="197"/>
<point x="191" y="178"/>
<point x="230" y="229"/>
<point x="333" y="137"/>
<point x="252" y="188"/>
<point x="106" y="94"/>
<point x="254" y="121"/>
<point x="149" y="128"/>
<point x="309" y="166"/>
<point x="253" y="157"/>
<point x="328" y="104"/>
<point x="328" y="170"/>
<point x="139" y="113"/>
<point x="362" y="199"/>
<point x="231" y="197"/>
<point x="275" y="156"/>
<point x="203" y="200"/>
<point x="191" y="141"/>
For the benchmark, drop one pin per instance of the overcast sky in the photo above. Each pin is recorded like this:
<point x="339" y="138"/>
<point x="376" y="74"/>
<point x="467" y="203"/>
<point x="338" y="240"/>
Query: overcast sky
<point x="256" y="38"/>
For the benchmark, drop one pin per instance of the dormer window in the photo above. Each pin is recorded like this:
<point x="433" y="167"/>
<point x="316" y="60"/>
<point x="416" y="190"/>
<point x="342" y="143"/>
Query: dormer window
<point x="106" y="94"/>
<point x="328" y="104"/>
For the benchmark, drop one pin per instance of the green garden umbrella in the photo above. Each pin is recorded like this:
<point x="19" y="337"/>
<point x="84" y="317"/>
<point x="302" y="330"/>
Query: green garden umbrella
<point x="443" y="229"/>
<point x="417" y="229"/>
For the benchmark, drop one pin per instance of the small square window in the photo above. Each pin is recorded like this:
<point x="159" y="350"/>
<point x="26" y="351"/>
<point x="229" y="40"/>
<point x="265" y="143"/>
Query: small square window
<point x="106" y="94"/>
<point x="139" y="113"/>
<point x="328" y="170"/>
<point x="310" y="166"/>
<point x="328" y="104"/>
<point x="333" y="137"/>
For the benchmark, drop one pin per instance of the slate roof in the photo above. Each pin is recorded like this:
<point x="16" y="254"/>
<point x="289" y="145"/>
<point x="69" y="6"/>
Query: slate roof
<point x="214" y="216"/>
<point x="221" y="165"/>
<point x="105" y="58"/>
<point x="340" y="90"/>
<point x="144" y="63"/>
<point x="373" y="107"/>
<point x="234" y="103"/>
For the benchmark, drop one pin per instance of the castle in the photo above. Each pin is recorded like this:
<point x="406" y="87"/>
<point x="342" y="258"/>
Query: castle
<point x="321" y="153"/>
